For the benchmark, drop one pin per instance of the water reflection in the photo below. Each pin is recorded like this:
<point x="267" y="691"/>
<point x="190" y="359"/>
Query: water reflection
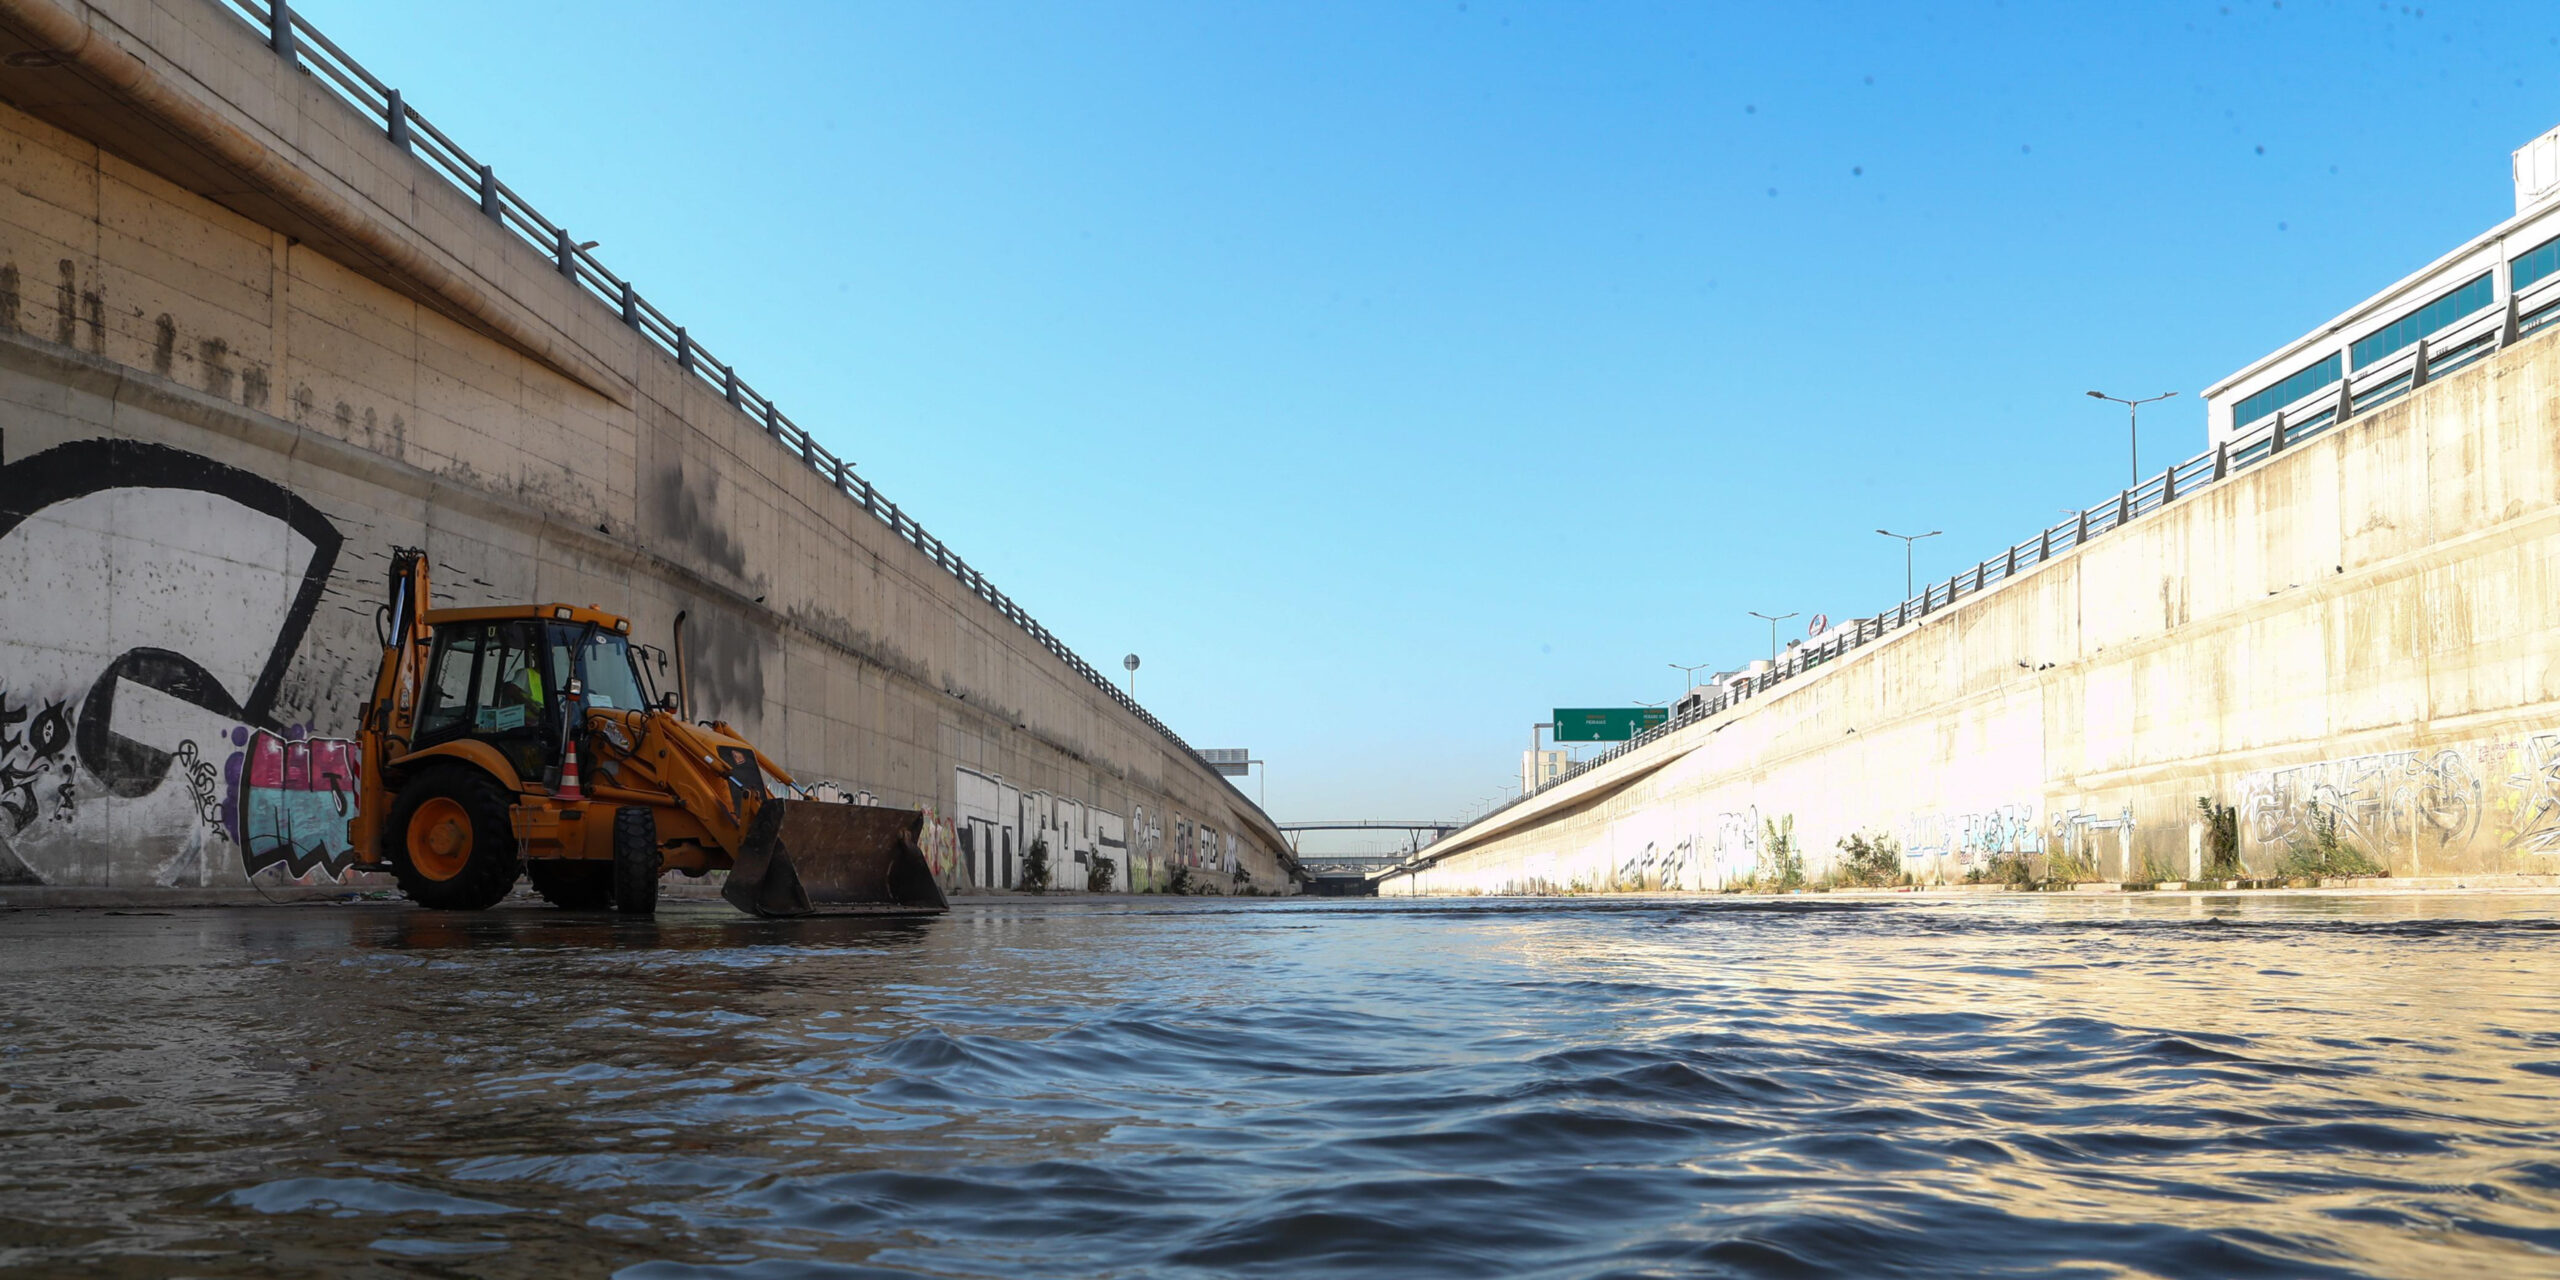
<point x="2188" y="1086"/>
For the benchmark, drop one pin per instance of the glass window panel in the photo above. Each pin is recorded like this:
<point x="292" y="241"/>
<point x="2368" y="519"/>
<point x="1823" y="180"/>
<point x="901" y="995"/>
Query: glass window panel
<point x="2284" y="393"/>
<point x="2537" y="262"/>
<point x="612" y="684"/>
<point x="2471" y="298"/>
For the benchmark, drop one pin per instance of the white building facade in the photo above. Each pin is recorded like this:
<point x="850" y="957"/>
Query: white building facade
<point x="2502" y="285"/>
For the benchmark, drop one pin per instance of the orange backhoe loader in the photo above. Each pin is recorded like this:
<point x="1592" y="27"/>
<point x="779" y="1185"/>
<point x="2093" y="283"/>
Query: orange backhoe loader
<point x="532" y="738"/>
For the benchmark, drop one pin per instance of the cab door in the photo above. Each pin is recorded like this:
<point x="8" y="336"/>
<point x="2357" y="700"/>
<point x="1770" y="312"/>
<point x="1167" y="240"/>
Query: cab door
<point x="498" y="683"/>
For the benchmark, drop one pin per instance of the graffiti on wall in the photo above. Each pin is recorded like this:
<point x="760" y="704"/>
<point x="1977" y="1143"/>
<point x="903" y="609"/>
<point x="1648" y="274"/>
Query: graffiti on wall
<point x="1736" y="845"/>
<point x="2389" y="800"/>
<point x="293" y="800"/>
<point x="1657" y="866"/>
<point x="1964" y="840"/>
<point x="201" y="580"/>
<point x="997" y="824"/>
<point x="940" y="840"/>
<point x="2534" y="808"/>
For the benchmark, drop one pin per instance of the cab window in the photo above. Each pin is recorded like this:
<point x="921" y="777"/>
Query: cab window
<point x="513" y="691"/>
<point x="447" y="705"/>
<point x="611" y="682"/>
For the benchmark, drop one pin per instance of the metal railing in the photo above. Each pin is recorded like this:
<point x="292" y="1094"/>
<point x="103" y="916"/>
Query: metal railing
<point x="305" y="47"/>
<point x="2452" y="347"/>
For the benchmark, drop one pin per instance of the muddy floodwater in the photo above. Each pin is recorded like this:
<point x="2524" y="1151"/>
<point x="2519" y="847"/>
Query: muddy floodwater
<point x="2046" y="1085"/>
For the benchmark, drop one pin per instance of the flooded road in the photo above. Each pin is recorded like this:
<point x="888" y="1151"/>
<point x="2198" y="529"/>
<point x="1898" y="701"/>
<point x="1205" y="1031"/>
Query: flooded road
<point x="2018" y="1086"/>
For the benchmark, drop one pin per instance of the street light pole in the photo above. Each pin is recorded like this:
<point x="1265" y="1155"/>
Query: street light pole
<point x="1907" y="540"/>
<point x="2133" y="426"/>
<point x="1773" y="621"/>
<point x="1688" y="675"/>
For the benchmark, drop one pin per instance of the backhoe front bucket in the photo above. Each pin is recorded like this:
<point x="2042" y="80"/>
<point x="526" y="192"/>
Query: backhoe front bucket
<point x="801" y="857"/>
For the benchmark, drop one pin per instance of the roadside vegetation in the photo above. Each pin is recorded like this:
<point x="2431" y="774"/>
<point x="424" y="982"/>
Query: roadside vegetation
<point x="2221" y="840"/>
<point x="2320" y="853"/>
<point x="1035" y="867"/>
<point x="1868" y="862"/>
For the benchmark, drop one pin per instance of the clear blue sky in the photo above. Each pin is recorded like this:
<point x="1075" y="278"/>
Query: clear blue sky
<point x="1387" y="375"/>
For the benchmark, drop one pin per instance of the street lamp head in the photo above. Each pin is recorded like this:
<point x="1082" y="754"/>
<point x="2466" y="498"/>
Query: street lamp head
<point x="2097" y="395"/>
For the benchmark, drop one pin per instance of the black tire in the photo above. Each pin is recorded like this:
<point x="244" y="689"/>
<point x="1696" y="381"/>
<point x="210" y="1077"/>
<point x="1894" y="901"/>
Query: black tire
<point x="462" y="855"/>
<point x="572" y="884"/>
<point x="636" y="862"/>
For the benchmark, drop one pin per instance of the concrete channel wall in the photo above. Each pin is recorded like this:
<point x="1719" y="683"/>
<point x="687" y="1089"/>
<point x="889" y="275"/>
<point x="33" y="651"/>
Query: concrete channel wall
<point x="2368" y="623"/>
<point x="247" y="346"/>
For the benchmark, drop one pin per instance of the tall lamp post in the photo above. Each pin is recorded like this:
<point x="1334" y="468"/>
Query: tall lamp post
<point x="1689" y="675"/>
<point x="1907" y="540"/>
<point x="1131" y="662"/>
<point x="1773" y="620"/>
<point x="2133" y="425"/>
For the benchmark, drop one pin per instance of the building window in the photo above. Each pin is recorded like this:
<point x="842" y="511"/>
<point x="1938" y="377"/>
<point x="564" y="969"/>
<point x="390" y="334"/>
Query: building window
<point x="2403" y="333"/>
<point x="2537" y="262"/>
<point x="2284" y="393"/>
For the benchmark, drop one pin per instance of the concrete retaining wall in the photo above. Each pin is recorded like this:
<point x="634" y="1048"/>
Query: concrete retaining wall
<point x="212" y="431"/>
<point x="2369" y="623"/>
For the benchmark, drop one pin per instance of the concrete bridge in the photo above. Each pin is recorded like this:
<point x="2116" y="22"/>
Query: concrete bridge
<point x="261" y="321"/>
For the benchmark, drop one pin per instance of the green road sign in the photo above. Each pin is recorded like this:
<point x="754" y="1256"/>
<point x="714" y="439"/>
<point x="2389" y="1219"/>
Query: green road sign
<point x="1606" y="724"/>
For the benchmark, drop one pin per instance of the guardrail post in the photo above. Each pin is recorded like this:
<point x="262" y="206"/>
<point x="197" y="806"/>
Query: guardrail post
<point x="568" y="250"/>
<point x="489" y="194"/>
<point x="772" y="421"/>
<point x="2222" y="460"/>
<point x="840" y="473"/>
<point x="2012" y="570"/>
<point x="1902" y="614"/>
<point x="395" y="114"/>
<point x="2275" y="437"/>
<point x="2418" y="366"/>
<point x="2508" y="324"/>
<point x="1977" y="574"/>
<point x="2124" y="507"/>
<point x="280" y="28"/>
<point x="729" y="383"/>
<point x="684" y="350"/>
<point x="1952" y="580"/>
<point x="630" y="305"/>
<point x="2169" y="485"/>
<point x="2044" y="545"/>
<point x="2081" y="534"/>
<point x="2346" y="400"/>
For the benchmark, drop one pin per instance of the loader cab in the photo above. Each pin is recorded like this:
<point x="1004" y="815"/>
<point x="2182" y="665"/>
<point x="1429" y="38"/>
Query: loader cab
<point x="517" y="679"/>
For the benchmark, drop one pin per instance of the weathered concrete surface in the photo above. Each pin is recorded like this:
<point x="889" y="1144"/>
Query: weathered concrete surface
<point x="2369" y="622"/>
<point x="247" y="346"/>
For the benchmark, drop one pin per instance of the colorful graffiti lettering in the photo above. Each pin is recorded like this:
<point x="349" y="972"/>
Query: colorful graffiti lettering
<point x="293" y="803"/>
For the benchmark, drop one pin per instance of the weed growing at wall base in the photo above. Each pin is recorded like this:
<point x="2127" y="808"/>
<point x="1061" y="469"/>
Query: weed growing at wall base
<point x="2221" y="840"/>
<point x="2013" y="869"/>
<point x="1097" y="875"/>
<point x="2321" y="853"/>
<point x="1868" y="862"/>
<point x="1781" y="867"/>
<point x="1035" y="867"/>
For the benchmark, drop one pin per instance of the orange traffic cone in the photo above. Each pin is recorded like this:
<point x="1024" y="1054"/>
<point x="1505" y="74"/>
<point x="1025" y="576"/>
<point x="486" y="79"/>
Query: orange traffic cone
<point x="569" y="789"/>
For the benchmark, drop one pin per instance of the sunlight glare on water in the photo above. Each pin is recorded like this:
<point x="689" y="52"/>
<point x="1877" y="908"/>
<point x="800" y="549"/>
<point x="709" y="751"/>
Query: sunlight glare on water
<point x="2023" y="1085"/>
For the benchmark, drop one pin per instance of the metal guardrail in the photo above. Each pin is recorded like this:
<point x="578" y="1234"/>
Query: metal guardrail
<point x="2461" y="343"/>
<point x="303" y="45"/>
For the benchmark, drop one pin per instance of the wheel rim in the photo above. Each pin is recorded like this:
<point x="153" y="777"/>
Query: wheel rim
<point x="440" y="838"/>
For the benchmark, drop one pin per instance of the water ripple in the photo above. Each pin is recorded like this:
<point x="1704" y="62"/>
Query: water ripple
<point x="2177" y="1087"/>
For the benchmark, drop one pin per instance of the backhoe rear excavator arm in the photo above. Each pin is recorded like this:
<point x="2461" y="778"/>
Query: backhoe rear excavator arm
<point x="393" y="707"/>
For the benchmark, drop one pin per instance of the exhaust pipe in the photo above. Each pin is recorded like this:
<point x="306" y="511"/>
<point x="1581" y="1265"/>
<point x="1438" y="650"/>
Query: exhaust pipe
<point x="684" y="679"/>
